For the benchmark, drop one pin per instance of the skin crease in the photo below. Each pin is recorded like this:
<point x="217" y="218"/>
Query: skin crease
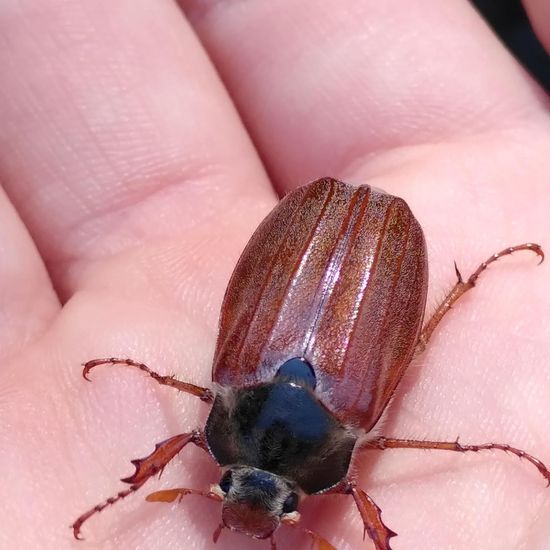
<point x="130" y="162"/>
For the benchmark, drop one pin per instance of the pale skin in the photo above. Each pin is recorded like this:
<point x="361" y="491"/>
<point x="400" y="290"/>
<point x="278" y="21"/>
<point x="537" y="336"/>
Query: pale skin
<point x="130" y="186"/>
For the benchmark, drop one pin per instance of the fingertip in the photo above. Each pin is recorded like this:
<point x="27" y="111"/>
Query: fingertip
<point x="538" y="12"/>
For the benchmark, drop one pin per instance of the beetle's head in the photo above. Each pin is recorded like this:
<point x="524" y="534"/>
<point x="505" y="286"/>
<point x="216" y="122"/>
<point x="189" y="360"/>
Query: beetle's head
<point x="255" y="502"/>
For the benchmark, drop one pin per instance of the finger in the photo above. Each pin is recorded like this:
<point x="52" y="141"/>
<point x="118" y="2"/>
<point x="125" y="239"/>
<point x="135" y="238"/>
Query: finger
<point x="346" y="82"/>
<point x="117" y="132"/>
<point x="539" y="14"/>
<point x="131" y="168"/>
<point x="420" y="99"/>
<point x="27" y="300"/>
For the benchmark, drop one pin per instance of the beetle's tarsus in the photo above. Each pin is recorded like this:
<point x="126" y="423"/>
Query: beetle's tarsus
<point x="145" y="468"/>
<point x="392" y="443"/>
<point x="204" y="394"/>
<point x="461" y="287"/>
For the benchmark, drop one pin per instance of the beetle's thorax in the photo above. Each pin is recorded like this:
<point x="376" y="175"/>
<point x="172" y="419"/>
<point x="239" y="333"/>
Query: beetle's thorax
<point x="281" y="427"/>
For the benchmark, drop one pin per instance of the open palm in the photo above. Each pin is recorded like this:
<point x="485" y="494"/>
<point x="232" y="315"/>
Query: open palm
<point x="137" y="160"/>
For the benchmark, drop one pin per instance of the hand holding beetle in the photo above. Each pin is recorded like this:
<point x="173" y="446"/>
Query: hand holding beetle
<point x="140" y="188"/>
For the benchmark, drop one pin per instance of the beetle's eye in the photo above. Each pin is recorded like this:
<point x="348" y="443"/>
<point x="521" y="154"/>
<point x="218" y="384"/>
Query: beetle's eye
<point x="291" y="503"/>
<point x="225" y="482"/>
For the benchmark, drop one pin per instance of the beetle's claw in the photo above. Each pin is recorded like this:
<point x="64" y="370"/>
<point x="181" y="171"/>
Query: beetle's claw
<point x="540" y="253"/>
<point x="85" y="372"/>
<point x="76" y="532"/>
<point x="88" y="366"/>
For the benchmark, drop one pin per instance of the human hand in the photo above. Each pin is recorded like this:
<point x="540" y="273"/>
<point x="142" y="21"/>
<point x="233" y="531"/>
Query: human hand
<point x="132" y="182"/>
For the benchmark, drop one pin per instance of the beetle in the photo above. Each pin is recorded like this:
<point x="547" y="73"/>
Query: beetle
<point x="322" y="315"/>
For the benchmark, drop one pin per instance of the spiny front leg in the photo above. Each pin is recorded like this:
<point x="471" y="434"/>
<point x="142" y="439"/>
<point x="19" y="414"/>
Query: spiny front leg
<point x="461" y="287"/>
<point x="204" y="394"/>
<point x="382" y="443"/>
<point x="370" y="513"/>
<point x="145" y="468"/>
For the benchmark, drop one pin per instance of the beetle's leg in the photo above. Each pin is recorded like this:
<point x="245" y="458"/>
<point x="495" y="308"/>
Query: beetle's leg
<point x="321" y="542"/>
<point x="145" y="468"/>
<point x="370" y="514"/>
<point x="382" y="443"/>
<point x="202" y="393"/>
<point x="461" y="287"/>
<point x="170" y="495"/>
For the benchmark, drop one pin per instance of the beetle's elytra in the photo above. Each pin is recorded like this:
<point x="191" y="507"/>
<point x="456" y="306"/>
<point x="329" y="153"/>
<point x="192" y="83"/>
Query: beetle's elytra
<point x="321" y="318"/>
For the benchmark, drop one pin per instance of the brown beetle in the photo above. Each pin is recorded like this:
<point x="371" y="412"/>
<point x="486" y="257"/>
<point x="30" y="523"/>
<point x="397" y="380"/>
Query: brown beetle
<point x="321" y="318"/>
